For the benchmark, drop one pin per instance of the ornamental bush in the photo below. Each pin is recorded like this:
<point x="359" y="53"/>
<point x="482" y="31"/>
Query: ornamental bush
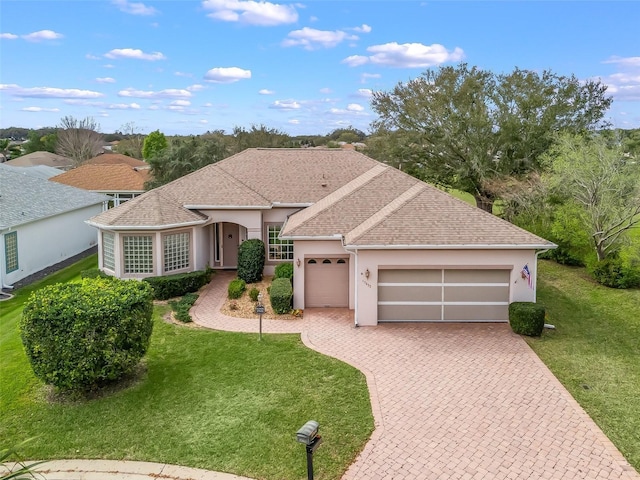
<point x="613" y="272"/>
<point x="171" y="286"/>
<point x="281" y="295"/>
<point x="82" y="335"/>
<point x="526" y="318"/>
<point x="251" y="260"/>
<point x="181" y="307"/>
<point x="284" y="270"/>
<point x="236" y="288"/>
<point x="253" y="294"/>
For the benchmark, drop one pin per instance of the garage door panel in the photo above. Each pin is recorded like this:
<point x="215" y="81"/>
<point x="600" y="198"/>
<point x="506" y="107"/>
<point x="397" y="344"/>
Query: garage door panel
<point x="397" y="313"/>
<point x="476" y="276"/>
<point x="409" y="276"/>
<point x="459" y="313"/>
<point x="410" y="294"/>
<point x="476" y="294"/>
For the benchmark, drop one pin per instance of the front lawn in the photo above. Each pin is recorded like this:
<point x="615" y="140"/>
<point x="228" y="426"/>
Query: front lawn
<point x="214" y="400"/>
<point x="595" y="350"/>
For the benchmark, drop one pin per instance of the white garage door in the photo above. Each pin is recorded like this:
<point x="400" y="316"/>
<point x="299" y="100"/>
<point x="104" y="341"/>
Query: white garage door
<point x="449" y="295"/>
<point x="326" y="282"/>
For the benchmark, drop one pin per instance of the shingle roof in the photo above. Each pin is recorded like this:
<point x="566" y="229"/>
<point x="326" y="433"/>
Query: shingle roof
<point x="150" y="210"/>
<point x="105" y="178"/>
<point x="42" y="158"/>
<point x="367" y="202"/>
<point x="116" y="159"/>
<point x="40" y="171"/>
<point x="26" y="198"/>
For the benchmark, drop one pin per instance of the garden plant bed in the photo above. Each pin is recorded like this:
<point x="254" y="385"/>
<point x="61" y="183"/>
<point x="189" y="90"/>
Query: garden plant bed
<point x="246" y="308"/>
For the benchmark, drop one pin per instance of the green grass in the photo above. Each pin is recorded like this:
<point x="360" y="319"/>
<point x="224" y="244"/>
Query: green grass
<point x="214" y="400"/>
<point x="595" y="350"/>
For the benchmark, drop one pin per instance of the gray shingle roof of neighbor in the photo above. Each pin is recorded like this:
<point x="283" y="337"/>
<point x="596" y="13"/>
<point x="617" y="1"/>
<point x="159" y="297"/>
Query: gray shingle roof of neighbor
<point x="351" y="195"/>
<point x="25" y="198"/>
<point x="40" y="171"/>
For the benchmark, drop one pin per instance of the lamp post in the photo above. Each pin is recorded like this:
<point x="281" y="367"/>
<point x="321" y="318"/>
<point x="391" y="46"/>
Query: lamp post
<point x="308" y="434"/>
<point x="260" y="311"/>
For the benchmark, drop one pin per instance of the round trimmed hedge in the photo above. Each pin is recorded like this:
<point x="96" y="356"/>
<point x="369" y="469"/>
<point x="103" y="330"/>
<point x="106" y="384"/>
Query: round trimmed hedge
<point x="526" y="318"/>
<point x="79" y="336"/>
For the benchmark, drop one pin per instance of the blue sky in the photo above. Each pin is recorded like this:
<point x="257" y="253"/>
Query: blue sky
<point x="308" y="67"/>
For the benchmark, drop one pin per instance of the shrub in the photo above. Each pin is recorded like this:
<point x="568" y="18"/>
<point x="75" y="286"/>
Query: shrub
<point x="177" y="285"/>
<point x="253" y="294"/>
<point x="93" y="273"/>
<point x="79" y="336"/>
<point x="281" y="295"/>
<point x="526" y="318"/>
<point x="236" y="288"/>
<point x="284" y="270"/>
<point x="613" y="272"/>
<point x="181" y="307"/>
<point x="251" y="260"/>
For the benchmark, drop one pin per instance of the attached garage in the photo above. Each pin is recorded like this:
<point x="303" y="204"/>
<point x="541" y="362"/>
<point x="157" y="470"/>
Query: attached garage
<point x="326" y="282"/>
<point x="450" y="295"/>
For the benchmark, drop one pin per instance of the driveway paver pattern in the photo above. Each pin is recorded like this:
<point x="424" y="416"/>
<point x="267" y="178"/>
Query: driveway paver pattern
<point x="450" y="401"/>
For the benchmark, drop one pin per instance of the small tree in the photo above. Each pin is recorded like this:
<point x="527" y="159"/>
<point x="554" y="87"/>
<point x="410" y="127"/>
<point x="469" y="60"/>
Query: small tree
<point x="154" y="143"/>
<point x="251" y="258"/>
<point x="79" y="336"/>
<point x="79" y="140"/>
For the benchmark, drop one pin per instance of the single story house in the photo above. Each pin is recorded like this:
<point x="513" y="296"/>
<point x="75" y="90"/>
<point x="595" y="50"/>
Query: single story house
<point x="41" y="223"/>
<point x="42" y="158"/>
<point x="361" y="234"/>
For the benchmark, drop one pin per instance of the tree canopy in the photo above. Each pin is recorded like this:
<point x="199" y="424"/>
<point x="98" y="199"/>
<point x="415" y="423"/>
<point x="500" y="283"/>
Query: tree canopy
<point x="469" y="129"/>
<point x="153" y="144"/>
<point x="79" y="140"/>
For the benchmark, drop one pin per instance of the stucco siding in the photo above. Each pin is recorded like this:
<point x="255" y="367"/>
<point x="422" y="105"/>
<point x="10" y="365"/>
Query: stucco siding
<point x="51" y="240"/>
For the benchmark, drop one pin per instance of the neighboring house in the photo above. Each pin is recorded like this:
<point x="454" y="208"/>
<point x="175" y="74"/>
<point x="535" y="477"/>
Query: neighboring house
<point x="117" y="159"/>
<point x="39" y="171"/>
<point x="121" y="182"/>
<point x="360" y="234"/>
<point x="42" y="158"/>
<point x="41" y="223"/>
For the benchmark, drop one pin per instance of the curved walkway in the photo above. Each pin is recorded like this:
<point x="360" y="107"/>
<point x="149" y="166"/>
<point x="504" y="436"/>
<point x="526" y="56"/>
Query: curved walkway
<point x="454" y="401"/>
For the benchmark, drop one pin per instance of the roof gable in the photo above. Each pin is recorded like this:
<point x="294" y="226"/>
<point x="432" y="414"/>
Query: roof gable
<point x="105" y="178"/>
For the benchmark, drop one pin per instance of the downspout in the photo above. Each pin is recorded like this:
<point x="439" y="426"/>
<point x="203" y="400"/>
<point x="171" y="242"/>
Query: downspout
<point x="535" y="287"/>
<point x="355" y="292"/>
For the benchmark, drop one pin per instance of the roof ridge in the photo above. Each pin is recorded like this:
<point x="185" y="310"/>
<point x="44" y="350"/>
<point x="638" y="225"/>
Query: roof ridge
<point x="384" y="212"/>
<point x="337" y="195"/>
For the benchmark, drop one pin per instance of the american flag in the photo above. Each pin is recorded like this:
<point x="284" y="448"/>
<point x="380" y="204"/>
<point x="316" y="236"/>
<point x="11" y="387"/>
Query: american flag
<point x="527" y="274"/>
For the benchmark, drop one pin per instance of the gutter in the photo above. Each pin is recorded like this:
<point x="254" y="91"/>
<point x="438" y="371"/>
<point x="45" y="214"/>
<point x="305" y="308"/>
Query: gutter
<point x="335" y="236"/>
<point x="134" y="228"/>
<point x="449" y="247"/>
<point x="227" y="207"/>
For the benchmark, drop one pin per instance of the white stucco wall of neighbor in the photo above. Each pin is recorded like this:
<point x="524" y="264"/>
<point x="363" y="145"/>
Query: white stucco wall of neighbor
<point x="51" y="240"/>
<point x="316" y="249"/>
<point x="373" y="260"/>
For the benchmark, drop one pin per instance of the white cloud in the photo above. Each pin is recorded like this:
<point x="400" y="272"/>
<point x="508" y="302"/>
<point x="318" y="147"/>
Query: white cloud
<point x="364" y="92"/>
<point x="183" y="74"/>
<point x="227" y="75"/>
<point x="105" y="80"/>
<point x="266" y="91"/>
<point x="285" y="105"/>
<point x="39" y="109"/>
<point x="181" y="103"/>
<point x="294" y="121"/>
<point x="42" y="35"/>
<point x="195" y="87"/>
<point x="628" y="62"/>
<point x="134" y="8"/>
<point x="366" y="76"/>
<point x="49" y="92"/>
<point x="135" y="54"/>
<point x="166" y="93"/>
<point x="251" y="12"/>
<point x="8" y="36"/>
<point x="203" y="121"/>
<point x="154" y="107"/>
<point x="108" y="65"/>
<point x="124" y="106"/>
<point x="208" y="105"/>
<point x="354" y="107"/>
<point x="363" y="29"/>
<point x="82" y="102"/>
<point x="92" y="57"/>
<point x="310" y="38"/>
<point x="406" y="55"/>
<point x="326" y="91"/>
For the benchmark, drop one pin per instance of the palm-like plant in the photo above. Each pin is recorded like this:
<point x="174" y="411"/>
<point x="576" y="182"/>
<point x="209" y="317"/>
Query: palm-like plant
<point x="7" y="150"/>
<point x="14" y="467"/>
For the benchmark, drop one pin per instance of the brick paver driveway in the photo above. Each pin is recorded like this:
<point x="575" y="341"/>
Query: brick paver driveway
<point x="456" y="401"/>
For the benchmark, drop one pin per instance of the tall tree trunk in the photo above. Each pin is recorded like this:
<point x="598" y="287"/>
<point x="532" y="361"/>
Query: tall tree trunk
<point x="484" y="203"/>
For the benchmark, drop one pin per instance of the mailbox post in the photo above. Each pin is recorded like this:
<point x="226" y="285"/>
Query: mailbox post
<point x="308" y="435"/>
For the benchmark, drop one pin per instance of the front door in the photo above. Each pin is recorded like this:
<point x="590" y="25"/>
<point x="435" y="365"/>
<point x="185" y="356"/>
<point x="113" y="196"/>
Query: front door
<point x="230" y="242"/>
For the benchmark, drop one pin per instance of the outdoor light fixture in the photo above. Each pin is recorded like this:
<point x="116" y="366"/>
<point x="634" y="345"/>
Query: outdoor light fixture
<point x="308" y="434"/>
<point x="366" y="273"/>
<point x="298" y="262"/>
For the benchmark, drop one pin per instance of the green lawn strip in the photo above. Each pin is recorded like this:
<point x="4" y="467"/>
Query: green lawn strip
<point x="595" y="350"/>
<point x="214" y="400"/>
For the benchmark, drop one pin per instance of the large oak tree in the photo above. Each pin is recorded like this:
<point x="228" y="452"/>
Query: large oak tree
<point x="469" y="129"/>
